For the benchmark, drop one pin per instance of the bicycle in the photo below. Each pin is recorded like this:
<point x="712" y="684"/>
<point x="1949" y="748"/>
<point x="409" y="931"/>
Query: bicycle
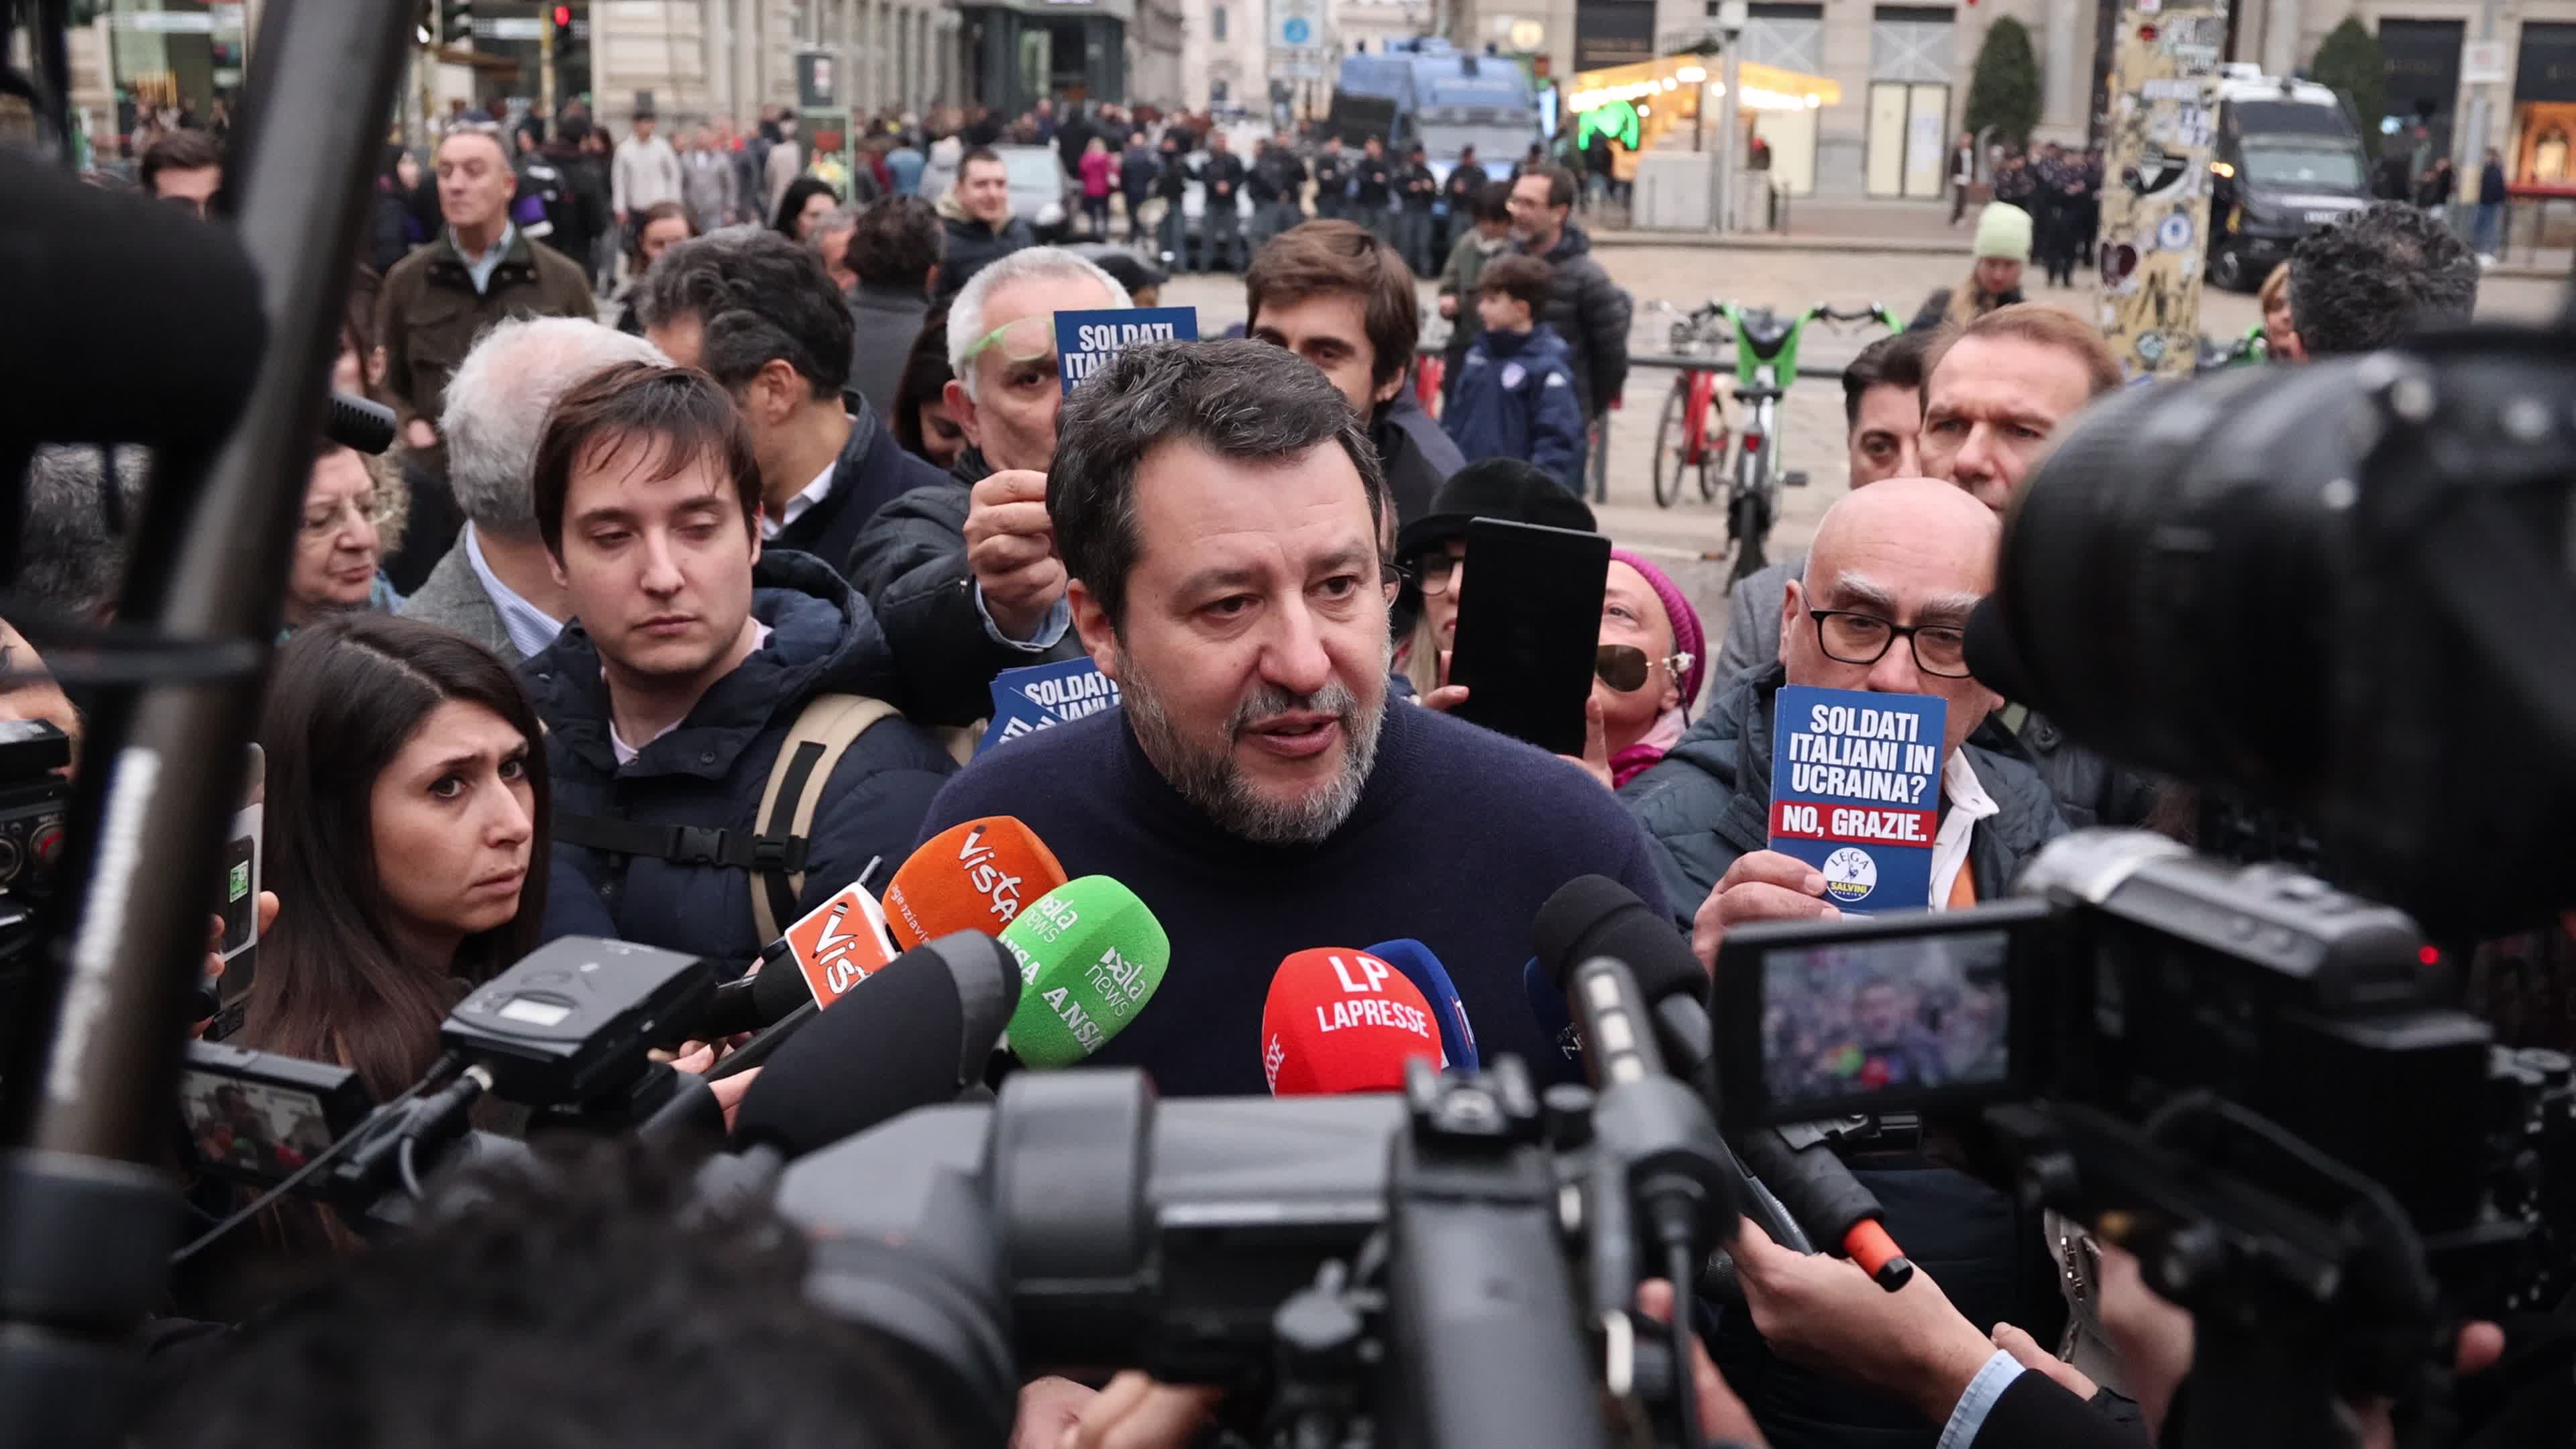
<point x="1766" y="362"/>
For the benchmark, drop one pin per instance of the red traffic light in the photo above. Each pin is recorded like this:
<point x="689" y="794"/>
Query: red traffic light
<point x="563" y="17"/>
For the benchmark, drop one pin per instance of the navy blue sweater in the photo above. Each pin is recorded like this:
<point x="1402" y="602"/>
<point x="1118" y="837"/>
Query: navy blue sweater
<point x="1459" y="838"/>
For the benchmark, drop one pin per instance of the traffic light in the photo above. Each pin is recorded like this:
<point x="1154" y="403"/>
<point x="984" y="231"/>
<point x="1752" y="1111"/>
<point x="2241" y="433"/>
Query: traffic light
<point x="563" y="17"/>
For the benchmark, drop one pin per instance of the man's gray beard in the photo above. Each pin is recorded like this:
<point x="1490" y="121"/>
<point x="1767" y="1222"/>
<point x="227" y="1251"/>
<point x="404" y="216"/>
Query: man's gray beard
<point x="1214" y="783"/>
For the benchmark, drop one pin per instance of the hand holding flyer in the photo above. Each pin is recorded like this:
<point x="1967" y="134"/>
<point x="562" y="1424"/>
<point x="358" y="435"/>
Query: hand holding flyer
<point x="1856" y="792"/>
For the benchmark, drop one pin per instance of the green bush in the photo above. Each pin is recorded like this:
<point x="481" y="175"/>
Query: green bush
<point x="2004" y="92"/>
<point x="2350" y="63"/>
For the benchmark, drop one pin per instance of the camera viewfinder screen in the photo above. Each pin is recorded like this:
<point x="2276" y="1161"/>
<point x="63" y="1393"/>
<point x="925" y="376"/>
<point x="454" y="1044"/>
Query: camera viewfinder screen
<point x="1858" y="1017"/>
<point x="251" y="1129"/>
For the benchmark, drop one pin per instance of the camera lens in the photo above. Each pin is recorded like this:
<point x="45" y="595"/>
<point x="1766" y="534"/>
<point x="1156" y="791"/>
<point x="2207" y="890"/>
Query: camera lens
<point x="2168" y="579"/>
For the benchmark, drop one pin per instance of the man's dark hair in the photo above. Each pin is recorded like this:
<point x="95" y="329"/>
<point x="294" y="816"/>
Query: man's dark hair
<point x="982" y="153"/>
<point x="1523" y="279"/>
<point x="1235" y="398"/>
<point x="178" y="151"/>
<point x="2376" y="276"/>
<point x="1494" y="202"/>
<point x="757" y="297"/>
<point x="584" y="1302"/>
<point x="1889" y="362"/>
<point x="1560" y="182"/>
<point x="678" y="410"/>
<point x="1320" y="257"/>
<point x="896" y="243"/>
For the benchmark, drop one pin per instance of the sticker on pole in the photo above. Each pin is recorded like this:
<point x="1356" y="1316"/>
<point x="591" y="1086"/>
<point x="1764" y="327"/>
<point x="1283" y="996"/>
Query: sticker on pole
<point x="1086" y="342"/>
<point x="1856" y="792"/>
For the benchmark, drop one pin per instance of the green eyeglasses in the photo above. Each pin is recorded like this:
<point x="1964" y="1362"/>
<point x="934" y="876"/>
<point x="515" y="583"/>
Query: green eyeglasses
<point x="1027" y="339"/>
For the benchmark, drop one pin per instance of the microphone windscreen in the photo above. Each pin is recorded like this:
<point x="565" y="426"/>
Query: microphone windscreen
<point x="917" y="1038"/>
<point x="839" y="943"/>
<point x="84" y="273"/>
<point x="1547" y="1006"/>
<point x="1342" y="1021"/>
<point x="1090" y="955"/>
<point x="1992" y="657"/>
<point x="1448" y="1008"/>
<point x="1594" y="915"/>
<point x="973" y="876"/>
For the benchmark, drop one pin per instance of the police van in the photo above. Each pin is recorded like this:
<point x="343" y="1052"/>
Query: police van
<point x="2287" y="162"/>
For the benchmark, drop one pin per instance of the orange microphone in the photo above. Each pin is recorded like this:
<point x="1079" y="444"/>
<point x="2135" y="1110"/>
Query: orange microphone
<point x="1339" y="1020"/>
<point x="973" y="876"/>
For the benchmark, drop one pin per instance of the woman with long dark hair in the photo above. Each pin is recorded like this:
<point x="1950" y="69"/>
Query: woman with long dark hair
<point x="807" y="200"/>
<point x="406" y="822"/>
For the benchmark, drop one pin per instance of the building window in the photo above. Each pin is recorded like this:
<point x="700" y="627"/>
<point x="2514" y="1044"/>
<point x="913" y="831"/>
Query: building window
<point x="1218" y="24"/>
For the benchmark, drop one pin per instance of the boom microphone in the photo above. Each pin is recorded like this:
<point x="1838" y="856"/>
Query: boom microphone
<point x="1343" y="1021"/>
<point x="1090" y="956"/>
<point x="82" y="270"/>
<point x="973" y="876"/>
<point x="1448" y="1009"/>
<point x="922" y="1037"/>
<point x="1596" y="916"/>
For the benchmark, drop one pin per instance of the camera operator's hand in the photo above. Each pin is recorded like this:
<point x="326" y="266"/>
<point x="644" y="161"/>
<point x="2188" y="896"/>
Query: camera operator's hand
<point x="1050" y="1408"/>
<point x="1135" y="1412"/>
<point x="1445" y="696"/>
<point x="1762" y="885"/>
<point x="2025" y="1350"/>
<point x="1825" y="1312"/>
<point x="730" y="1091"/>
<point x="28" y="692"/>
<point x="1723" y="1419"/>
<point x="1010" y="546"/>
<point x="265" y="910"/>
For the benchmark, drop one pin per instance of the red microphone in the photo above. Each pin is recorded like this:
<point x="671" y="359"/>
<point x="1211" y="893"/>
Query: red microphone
<point x="973" y="876"/>
<point x="1339" y="1020"/>
<point x="838" y="944"/>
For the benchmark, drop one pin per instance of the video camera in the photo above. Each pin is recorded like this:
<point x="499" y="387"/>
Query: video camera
<point x="566" y="1032"/>
<point x="2330" y="592"/>
<point x="1457" y="1266"/>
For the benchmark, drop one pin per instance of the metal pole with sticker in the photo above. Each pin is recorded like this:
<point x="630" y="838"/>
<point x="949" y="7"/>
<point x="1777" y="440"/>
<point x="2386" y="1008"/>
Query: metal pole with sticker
<point x="2155" y="186"/>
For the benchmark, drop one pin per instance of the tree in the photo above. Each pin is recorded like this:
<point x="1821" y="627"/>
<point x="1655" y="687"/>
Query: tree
<point x="2350" y="63"/>
<point x="2004" y="92"/>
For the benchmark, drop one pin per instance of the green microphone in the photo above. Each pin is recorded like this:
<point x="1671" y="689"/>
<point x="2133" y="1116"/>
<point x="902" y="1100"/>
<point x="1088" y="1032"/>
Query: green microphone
<point x="1090" y="957"/>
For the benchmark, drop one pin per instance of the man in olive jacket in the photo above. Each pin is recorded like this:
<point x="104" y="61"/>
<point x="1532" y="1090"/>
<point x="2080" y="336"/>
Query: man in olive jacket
<point x="478" y="270"/>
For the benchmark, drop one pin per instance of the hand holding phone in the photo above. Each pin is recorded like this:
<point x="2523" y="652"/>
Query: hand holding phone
<point x="1530" y="631"/>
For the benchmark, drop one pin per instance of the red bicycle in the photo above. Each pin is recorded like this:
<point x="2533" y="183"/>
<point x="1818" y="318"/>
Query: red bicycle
<point x="1693" y="433"/>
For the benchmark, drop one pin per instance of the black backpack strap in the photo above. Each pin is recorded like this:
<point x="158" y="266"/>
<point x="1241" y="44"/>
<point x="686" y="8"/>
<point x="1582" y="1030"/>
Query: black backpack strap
<point x="681" y="844"/>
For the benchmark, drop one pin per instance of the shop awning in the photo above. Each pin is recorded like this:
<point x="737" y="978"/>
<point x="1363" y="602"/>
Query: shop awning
<point x="1764" y="87"/>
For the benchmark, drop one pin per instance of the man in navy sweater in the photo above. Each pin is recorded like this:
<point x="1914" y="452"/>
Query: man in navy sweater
<point x="1216" y="506"/>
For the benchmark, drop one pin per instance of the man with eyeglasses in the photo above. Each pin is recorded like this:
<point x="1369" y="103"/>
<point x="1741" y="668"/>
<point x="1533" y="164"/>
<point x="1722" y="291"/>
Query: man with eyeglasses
<point x="1882" y="607"/>
<point x="963" y="574"/>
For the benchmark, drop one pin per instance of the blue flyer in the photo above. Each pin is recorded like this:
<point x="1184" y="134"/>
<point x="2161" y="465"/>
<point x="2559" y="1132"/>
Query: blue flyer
<point x="1043" y="696"/>
<point x="1086" y="341"/>
<point x="1856" y="792"/>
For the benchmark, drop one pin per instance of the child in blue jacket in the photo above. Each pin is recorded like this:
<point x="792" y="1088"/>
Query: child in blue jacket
<point x="1515" y="396"/>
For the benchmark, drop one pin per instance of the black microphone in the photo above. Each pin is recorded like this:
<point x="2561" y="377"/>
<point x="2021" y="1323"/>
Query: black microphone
<point x="1596" y="916"/>
<point x="355" y="422"/>
<point x="751" y="1003"/>
<point x="84" y="273"/>
<point x="919" y="1036"/>
<point x="1992" y="656"/>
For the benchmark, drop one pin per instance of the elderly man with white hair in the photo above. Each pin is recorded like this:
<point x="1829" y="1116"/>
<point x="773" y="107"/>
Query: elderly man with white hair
<point x="964" y="577"/>
<point x="496" y="586"/>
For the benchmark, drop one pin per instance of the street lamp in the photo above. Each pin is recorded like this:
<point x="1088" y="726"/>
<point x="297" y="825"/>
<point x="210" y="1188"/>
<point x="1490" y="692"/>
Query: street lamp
<point x="1732" y="16"/>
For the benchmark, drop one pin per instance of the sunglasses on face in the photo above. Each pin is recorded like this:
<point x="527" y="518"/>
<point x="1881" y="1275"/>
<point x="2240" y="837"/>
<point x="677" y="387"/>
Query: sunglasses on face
<point x="1625" y="667"/>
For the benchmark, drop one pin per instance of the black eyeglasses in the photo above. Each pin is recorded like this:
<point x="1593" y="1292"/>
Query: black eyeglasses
<point x="1625" y="667"/>
<point x="1939" y="649"/>
<point x="1431" y="572"/>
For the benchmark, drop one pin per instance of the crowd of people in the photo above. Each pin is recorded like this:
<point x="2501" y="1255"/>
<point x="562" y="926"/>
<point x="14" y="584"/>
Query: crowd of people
<point x="541" y="673"/>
